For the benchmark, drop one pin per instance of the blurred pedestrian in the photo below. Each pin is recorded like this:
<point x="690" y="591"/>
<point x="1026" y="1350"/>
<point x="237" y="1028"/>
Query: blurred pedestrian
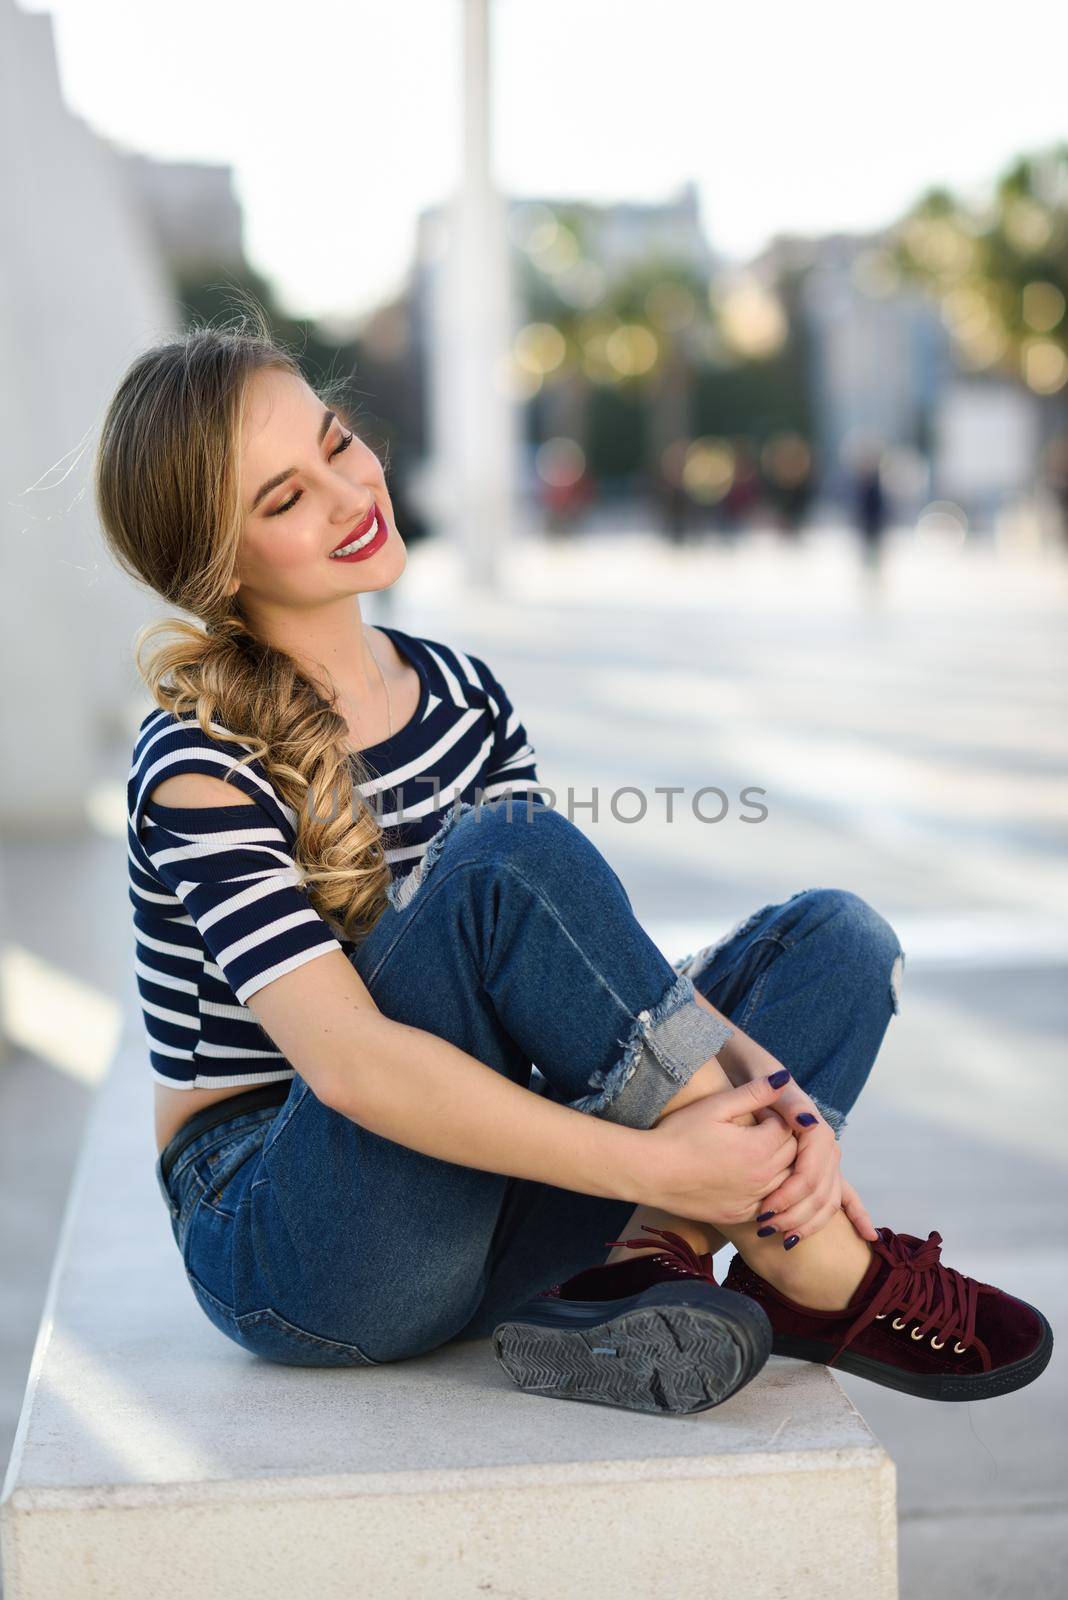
<point x="871" y="510"/>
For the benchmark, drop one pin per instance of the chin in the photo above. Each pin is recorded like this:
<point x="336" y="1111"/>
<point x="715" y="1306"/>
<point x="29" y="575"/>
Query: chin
<point x="386" y="568"/>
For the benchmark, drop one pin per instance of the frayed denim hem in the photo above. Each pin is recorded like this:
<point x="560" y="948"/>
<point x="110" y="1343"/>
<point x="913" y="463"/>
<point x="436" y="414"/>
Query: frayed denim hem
<point x="662" y="1050"/>
<point x="834" y="1118"/>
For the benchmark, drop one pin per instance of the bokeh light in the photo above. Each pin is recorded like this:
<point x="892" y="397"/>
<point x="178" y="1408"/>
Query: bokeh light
<point x="752" y="317"/>
<point x="1043" y="306"/>
<point x="1045" y="365"/>
<point x="631" y="349"/>
<point x="540" y="348"/>
<point x="708" y="469"/>
<point x="1027" y="225"/>
<point x="560" y="462"/>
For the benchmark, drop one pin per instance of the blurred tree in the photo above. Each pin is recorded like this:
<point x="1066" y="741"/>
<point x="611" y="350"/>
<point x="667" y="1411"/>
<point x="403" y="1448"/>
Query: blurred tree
<point x="1000" y="269"/>
<point x="638" y="364"/>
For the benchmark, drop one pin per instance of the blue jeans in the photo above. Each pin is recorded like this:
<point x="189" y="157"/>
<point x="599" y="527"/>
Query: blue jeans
<point x="309" y="1240"/>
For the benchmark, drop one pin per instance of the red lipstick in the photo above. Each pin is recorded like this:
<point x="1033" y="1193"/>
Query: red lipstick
<point x="360" y="528"/>
<point x="381" y="534"/>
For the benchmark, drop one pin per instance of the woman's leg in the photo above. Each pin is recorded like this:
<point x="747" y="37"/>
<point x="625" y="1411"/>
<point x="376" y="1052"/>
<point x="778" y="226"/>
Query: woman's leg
<point x="815" y="981"/>
<point x="516" y="942"/>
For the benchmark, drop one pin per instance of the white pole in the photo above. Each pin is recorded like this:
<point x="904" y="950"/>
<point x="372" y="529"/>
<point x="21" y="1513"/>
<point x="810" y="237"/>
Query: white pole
<point x="478" y="419"/>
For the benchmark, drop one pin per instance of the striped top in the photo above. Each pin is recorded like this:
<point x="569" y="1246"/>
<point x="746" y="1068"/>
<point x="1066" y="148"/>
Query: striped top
<point x="218" y="906"/>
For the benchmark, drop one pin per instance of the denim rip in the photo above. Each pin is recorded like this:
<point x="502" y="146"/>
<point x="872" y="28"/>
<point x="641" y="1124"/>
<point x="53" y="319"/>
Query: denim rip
<point x="401" y="891"/>
<point x="896" y="973"/>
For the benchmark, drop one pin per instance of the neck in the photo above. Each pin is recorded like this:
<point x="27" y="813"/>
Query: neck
<point x="330" y="641"/>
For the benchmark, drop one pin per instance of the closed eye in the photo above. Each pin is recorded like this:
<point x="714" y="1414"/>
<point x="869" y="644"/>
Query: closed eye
<point x="295" y="496"/>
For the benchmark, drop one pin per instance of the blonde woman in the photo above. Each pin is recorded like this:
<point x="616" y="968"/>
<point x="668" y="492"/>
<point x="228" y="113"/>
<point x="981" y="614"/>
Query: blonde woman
<point x="358" y="928"/>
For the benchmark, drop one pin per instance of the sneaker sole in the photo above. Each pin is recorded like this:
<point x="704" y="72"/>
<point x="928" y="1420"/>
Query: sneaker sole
<point x="930" y="1386"/>
<point x="670" y="1351"/>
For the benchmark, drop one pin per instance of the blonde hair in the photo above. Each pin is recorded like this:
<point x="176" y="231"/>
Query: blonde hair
<point x="166" y="481"/>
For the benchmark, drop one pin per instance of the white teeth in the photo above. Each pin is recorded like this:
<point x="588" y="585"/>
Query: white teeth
<point x="358" y="544"/>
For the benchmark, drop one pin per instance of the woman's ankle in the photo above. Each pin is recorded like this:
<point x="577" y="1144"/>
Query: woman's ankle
<point x="701" y="1236"/>
<point x="824" y="1278"/>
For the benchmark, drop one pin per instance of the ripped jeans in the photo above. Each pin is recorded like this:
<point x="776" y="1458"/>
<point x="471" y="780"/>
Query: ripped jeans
<point x="309" y="1240"/>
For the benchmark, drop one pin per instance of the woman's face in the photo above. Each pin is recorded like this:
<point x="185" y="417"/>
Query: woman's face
<point x="291" y="527"/>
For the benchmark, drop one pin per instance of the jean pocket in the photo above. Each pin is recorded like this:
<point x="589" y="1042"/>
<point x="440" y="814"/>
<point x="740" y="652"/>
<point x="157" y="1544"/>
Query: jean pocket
<point x="217" y="1312"/>
<point x="216" y="1167"/>
<point x="268" y="1334"/>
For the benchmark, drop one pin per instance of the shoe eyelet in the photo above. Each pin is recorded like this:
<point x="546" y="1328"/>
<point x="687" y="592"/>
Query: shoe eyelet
<point x="937" y="1343"/>
<point x="916" y="1334"/>
<point x="879" y="1315"/>
<point x="897" y="1323"/>
<point x="959" y="1349"/>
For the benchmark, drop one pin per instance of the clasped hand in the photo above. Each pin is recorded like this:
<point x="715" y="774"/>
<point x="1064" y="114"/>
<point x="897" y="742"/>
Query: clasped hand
<point x="816" y="1188"/>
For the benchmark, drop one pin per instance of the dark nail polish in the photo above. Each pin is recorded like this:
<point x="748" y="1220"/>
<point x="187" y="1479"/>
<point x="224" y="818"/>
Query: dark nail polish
<point x="762" y="1233"/>
<point x="764" y="1215"/>
<point x="807" y="1118"/>
<point x="789" y="1243"/>
<point x="777" y="1079"/>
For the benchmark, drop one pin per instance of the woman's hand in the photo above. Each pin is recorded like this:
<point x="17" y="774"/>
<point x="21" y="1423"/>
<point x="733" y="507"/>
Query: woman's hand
<point x="697" y="1163"/>
<point x="811" y="1193"/>
<point x="815" y="1189"/>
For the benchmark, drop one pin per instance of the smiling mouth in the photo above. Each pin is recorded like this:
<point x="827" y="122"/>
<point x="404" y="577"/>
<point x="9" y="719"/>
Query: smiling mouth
<point x="359" y="540"/>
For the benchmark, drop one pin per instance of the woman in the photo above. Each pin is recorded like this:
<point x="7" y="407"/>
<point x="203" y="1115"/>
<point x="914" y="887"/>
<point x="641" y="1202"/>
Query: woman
<point x="357" y="929"/>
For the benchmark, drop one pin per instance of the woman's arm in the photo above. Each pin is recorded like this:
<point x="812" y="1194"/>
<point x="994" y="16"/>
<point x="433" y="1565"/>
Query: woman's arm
<point x="421" y="1091"/>
<point x="398" y="1081"/>
<point x="410" y="1086"/>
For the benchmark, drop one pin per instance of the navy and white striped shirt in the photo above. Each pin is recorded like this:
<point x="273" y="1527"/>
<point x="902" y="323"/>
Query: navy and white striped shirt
<point x="218" y="904"/>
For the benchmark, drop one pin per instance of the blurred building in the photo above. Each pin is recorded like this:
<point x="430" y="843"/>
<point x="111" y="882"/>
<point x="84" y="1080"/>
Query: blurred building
<point x="568" y="237"/>
<point x="880" y="358"/>
<point x="84" y="290"/>
<point x="622" y="233"/>
<point x="188" y="209"/>
<point x="881" y="369"/>
<point x="884" y="376"/>
<point x="986" y="448"/>
<point x="581" y="244"/>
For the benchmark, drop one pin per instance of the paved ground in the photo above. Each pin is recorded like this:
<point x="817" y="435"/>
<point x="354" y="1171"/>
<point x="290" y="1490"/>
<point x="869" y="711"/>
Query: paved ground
<point x="912" y="743"/>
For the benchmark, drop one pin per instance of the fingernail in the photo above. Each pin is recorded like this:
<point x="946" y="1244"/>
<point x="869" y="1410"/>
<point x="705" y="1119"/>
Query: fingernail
<point x="762" y="1233"/>
<point x="777" y="1079"/>
<point x="764" y="1215"/>
<point x="807" y="1118"/>
<point x="789" y="1243"/>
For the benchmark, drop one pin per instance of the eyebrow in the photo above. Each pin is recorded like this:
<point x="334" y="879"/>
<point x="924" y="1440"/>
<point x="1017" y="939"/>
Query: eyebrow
<point x="280" y="477"/>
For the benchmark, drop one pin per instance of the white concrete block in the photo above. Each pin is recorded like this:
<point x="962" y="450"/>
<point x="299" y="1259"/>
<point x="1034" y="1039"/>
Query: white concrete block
<point x="155" y="1457"/>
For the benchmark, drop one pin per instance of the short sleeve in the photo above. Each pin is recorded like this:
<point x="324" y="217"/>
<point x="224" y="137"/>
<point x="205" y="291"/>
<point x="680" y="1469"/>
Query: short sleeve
<point x="511" y="763"/>
<point x="232" y="871"/>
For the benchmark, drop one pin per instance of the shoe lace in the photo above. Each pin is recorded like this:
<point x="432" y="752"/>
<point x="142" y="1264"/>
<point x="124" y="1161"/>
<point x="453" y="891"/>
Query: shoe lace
<point x="677" y="1252"/>
<point x="917" y="1285"/>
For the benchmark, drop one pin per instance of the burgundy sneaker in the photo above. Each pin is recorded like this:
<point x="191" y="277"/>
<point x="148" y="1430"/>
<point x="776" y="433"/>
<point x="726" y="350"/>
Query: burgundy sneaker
<point x="970" y="1341"/>
<point x="653" y="1333"/>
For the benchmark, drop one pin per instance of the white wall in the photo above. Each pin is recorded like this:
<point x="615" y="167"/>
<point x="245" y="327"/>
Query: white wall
<point x="81" y="292"/>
